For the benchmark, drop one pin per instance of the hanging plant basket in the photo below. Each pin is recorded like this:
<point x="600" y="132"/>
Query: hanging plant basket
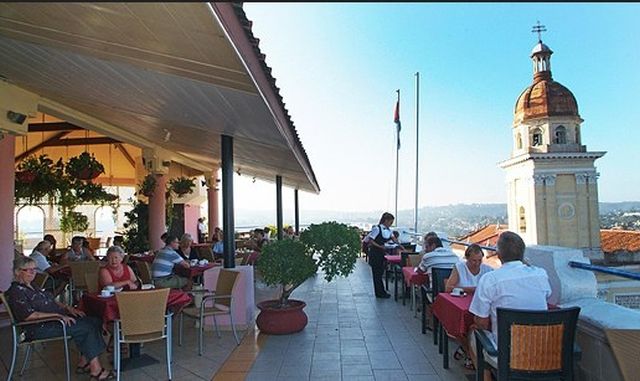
<point x="84" y="167"/>
<point x="148" y="185"/>
<point x="26" y="177"/>
<point x="182" y="185"/>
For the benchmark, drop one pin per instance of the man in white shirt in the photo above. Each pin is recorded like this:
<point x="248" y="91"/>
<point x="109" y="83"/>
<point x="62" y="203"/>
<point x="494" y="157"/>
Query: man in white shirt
<point x="436" y="255"/>
<point x="514" y="285"/>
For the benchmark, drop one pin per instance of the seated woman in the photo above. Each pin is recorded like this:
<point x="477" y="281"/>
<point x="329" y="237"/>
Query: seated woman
<point x="184" y="248"/>
<point x="28" y="303"/>
<point x="115" y="273"/>
<point x="466" y="274"/>
<point x="218" y="246"/>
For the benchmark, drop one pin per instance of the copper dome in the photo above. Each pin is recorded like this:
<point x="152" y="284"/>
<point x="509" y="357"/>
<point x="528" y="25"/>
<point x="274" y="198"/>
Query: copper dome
<point x="544" y="98"/>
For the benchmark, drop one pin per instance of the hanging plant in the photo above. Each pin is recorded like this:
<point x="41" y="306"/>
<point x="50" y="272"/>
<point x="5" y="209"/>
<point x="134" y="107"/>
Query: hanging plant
<point x="36" y="180"/>
<point x="94" y="194"/>
<point x="74" y="222"/>
<point x="84" y="167"/>
<point x="148" y="185"/>
<point x="182" y="185"/>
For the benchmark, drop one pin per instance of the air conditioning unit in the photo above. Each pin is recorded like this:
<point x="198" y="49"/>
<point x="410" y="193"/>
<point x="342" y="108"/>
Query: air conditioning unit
<point x="16" y="106"/>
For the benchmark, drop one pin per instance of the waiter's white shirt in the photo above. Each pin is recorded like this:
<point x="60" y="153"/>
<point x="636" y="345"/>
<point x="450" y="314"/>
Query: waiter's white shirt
<point x="514" y="285"/>
<point x="386" y="233"/>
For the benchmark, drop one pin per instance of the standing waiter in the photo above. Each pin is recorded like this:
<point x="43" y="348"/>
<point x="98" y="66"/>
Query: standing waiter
<point x="376" y="239"/>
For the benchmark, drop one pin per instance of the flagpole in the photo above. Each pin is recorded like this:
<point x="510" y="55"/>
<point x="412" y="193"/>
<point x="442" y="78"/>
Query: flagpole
<point x="415" y="213"/>
<point x="397" y="156"/>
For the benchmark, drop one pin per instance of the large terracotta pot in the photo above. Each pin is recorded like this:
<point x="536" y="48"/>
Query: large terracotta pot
<point x="281" y="321"/>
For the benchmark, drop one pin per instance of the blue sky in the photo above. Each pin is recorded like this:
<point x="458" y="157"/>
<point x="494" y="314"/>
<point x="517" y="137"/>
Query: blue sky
<point x="338" y="66"/>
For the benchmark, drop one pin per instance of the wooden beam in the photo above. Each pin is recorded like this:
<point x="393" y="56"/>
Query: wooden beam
<point x="82" y="142"/>
<point x="45" y="143"/>
<point x="54" y="126"/>
<point x="126" y="154"/>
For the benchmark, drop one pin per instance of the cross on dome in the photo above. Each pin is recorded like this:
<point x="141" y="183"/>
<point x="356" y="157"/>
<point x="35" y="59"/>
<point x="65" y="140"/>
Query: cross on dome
<point x="539" y="29"/>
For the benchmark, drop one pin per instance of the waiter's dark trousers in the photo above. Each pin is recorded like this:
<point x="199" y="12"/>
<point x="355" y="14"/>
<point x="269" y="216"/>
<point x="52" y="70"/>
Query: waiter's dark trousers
<point x="376" y="261"/>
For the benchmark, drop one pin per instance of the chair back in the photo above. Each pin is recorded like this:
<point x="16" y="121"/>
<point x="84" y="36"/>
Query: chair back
<point x="409" y="246"/>
<point x="108" y="243"/>
<point x="144" y="271"/>
<point x="40" y="280"/>
<point x="205" y="252"/>
<point x="79" y="269"/>
<point x="438" y="277"/>
<point x="142" y="312"/>
<point x="409" y="257"/>
<point x="225" y="285"/>
<point x="534" y="344"/>
<point x="7" y="307"/>
<point x="92" y="282"/>
<point x="94" y="243"/>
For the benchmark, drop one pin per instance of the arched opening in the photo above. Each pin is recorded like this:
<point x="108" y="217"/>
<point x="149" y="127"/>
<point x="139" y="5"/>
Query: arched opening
<point x="30" y="227"/>
<point x="519" y="141"/>
<point x="536" y="137"/>
<point x="561" y="135"/>
<point x="104" y="222"/>
<point x="522" y="221"/>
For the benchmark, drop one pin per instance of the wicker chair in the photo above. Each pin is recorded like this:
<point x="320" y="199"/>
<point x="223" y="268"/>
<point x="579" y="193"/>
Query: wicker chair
<point x="221" y="301"/>
<point x="142" y="319"/>
<point x="92" y="282"/>
<point x="19" y="339"/>
<point x="144" y="272"/>
<point x="78" y="271"/>
<point x="205" y="252"/>
<point x="40" y="280"/>
<point x="531" y="345"/>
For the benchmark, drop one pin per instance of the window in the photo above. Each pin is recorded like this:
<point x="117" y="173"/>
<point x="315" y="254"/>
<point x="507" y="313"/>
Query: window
<point x="577" y="135"/>
<point x="30" y="227"/>
<point x="519" y="141"/>
<point x="105" y="224"/>
<point x="561" y="135"/>
<point x="536" y="139"/>
<point x="522" y="220"/>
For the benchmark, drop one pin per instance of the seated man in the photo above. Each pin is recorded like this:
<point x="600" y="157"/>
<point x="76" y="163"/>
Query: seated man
<point x="164" y="262"/>
<point x="40" y="254"/>
<point x="514" y="285"/>
<point x="436" y="255"/>
<point x="77" y="252"/>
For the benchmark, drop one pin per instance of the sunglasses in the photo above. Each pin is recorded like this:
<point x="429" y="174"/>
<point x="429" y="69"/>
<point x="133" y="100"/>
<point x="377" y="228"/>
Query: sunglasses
<point x="29" y="270"/>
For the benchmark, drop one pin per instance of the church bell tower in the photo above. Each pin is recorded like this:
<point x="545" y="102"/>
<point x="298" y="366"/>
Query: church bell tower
<point x="552" y="182"/>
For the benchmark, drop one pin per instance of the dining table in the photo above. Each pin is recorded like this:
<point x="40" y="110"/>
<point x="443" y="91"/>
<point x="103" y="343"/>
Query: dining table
<point x="145" y="257"/>
<point x="194" y="271"/>
<point x="413" y="280"/>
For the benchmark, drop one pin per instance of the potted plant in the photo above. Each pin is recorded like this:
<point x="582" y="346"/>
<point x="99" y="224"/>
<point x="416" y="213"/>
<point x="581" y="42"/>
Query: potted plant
<point x="182" y="185"/>
<point x="330" y="246"/>
<point x="36" y="180"/>
<point x="74" y="222"/>
<point x="84" y="167"/>
<point x="148" y="185"/>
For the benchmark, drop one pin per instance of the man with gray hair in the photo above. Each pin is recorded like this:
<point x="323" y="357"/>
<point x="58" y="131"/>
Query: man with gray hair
<point x="514" y="285"/>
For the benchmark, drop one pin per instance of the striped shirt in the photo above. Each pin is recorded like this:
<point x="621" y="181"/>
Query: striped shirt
<point x="164" y="261"/>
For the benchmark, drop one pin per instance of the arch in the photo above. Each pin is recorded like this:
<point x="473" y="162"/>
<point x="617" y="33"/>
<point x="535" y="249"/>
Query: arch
<point x="561" y="135"/>
<point x="522" y="221"/>
<point x="518" y="141"/>
<point x="105" y="224"/>
<point x="30" y="221"/>
<point x="536" y="137"/>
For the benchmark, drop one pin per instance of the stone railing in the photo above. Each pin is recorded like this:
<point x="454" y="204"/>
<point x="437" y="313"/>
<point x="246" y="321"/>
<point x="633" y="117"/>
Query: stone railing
<point x="578" y="287"/>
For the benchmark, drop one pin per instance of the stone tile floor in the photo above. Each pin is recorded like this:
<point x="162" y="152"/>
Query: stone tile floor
<point x="351" y="336"/>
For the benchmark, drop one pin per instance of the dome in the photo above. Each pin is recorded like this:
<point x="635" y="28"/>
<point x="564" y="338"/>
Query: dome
<point x="540" y="48"/>
<point x="545" y="98"/>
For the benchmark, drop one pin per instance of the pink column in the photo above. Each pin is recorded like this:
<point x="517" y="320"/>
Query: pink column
<point x="157" y="205"/>
<point x="7" y="205"/>
<point x="212" y="199"/>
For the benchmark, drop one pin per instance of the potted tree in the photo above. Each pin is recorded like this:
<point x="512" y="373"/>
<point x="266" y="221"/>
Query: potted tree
<point x="182" y="185"/>
<point x="84" y="167"/>
<point x="330" y="246"/>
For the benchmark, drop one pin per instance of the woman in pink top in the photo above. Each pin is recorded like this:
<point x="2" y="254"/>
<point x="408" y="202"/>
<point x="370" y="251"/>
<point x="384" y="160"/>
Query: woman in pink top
<point x="115" y="273"/>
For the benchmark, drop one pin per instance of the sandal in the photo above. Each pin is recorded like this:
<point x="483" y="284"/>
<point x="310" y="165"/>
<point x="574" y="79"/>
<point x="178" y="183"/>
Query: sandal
<point x="109" y="375"/>
<point x="83" y="369"/>
<point x="459" y="354"/>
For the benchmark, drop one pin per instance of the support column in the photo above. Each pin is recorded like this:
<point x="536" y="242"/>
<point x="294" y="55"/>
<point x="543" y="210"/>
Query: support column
<point x="7" y="206"/>
<point x="157" y="213"/>
<point x="296" y="211"/>
<point x="279" y="206"/>
<point x="228" y="225"/>
<point x="212" y="202"/>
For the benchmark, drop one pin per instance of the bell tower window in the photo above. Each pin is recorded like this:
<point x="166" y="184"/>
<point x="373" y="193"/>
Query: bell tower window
<point x="522" y="222"/>
<point x="536" y="138"/>
<point x="561" y="135"/>
<point x="519" y="140"/>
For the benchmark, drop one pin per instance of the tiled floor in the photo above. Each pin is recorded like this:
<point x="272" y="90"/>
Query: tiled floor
<point x="351" y="336"/>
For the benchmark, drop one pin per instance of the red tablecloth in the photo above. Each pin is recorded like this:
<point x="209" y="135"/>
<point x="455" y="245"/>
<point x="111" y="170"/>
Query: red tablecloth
<point x="393" y="259"/>
<point x="145" y="257"/>
<point x="193" y="271"/>
<point x="453" y="313"/>
<point x="411" y="277"/>
<point x="107" y="308"/>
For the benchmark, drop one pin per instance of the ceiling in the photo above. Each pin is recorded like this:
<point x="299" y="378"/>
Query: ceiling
<point x="148" y="69"/>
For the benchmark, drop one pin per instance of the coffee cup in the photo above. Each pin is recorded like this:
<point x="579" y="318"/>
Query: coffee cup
<point x="110" y="289"/>
<point x="203" y="262"/>
<point x="457" y="291"/>
<point x="147" y="286"/>
<point x="194" y="262"/>
<point x="105" y="293"/>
